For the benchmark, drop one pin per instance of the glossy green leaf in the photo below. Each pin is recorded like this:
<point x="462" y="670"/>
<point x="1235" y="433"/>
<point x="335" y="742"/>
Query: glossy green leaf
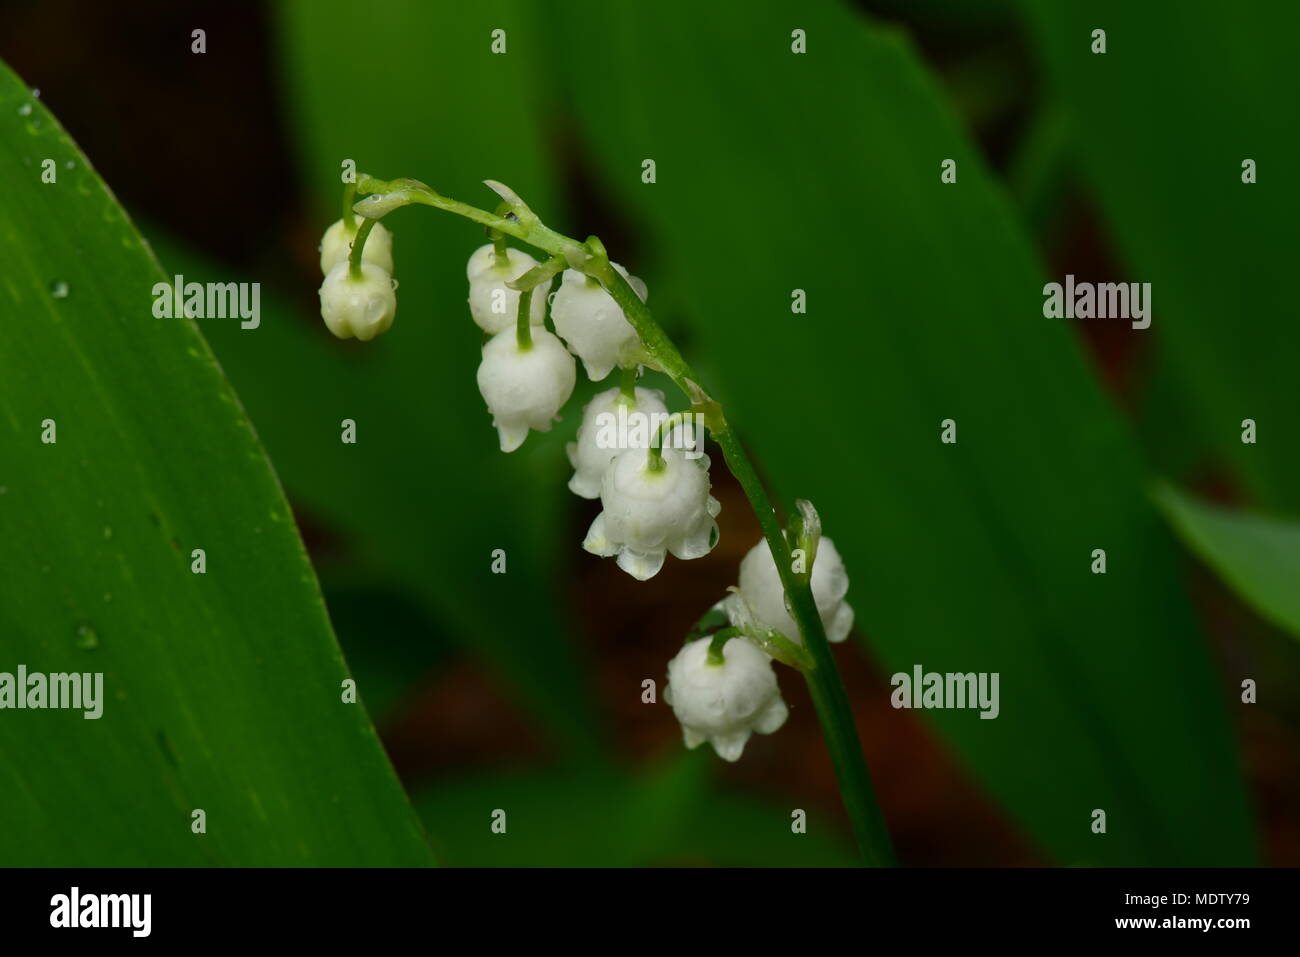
<point x="1161" y="125"/>
<point x="221" y="691"/>
<point x="820" y="172"/>
<point x="1258" y="556"/>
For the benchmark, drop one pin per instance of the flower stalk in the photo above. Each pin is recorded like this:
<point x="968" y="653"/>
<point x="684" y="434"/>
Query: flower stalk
<point x="357" y="255"/>
<point x="656" y="350"/>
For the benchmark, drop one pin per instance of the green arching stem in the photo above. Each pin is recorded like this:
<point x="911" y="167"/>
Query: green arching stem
<point x="824" y="683"/>
<point x="525" y="226"/>
<point x="358" y="247"/>
<point x="524" y="321"/>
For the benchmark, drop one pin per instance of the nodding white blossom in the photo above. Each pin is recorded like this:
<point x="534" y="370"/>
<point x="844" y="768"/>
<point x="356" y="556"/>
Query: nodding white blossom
<point x="763" y="597"/>
<point x="611" y="423"/>
<point x="592" y="323"/>
<point x="524" y="388"/>
<point x="724" y="703"/>
<point x="363" y="306"/>
<point x="493" y="304"/>
<point x="648" y="513"/>
<point x="336" y="246"/>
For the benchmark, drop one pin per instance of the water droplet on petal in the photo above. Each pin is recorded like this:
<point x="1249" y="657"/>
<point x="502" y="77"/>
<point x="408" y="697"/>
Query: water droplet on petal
<point x="36" y="93"/>
<point x="25" y="109"/>
<point x="59" y="289"/>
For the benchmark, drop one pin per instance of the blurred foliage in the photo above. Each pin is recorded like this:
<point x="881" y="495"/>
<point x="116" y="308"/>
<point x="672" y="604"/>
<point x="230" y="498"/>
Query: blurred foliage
<point x="1160" y="125"/>
<point x="667" y="815"/>
<point x="923" y="303"/>
<point x="221" y="691"/>
<point x="1259" y="557"/>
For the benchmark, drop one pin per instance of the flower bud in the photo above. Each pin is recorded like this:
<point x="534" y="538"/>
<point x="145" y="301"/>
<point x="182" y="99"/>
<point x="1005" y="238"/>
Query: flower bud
<point x="363" y="307"/>
<point x="592" y="323"/>
<point x="647" y="513"/>
<point x="493" y="304"/>
<point x="611" y="422"/>
<point x="760" y="590"/>
<point x="336" y="246"/>
<point x="724" y="703"/>
<point x="524" y="388"/>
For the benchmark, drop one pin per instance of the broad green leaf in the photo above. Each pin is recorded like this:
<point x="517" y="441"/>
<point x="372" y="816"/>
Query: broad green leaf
<point x="666" y="815"/>
<point x="1161" y="125"/>
<point x="222" y="691"/>
<point x="779" y="171"/>
<point x="1258" y="556"/>
<point x="425" y="496"/>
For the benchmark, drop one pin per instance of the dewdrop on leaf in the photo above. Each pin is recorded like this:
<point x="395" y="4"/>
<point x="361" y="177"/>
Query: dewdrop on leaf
<point x="763" y="597"/>
<point x="593" y="452"/>
<point x="724" y="703"/>
<point x="592" y="323"/>
<point x="649" y="513"/>
<point x="363" y="307"/>
<point x="524" y="388"/>
<point x="336" y="246"/>
<point x="493" y="304"/>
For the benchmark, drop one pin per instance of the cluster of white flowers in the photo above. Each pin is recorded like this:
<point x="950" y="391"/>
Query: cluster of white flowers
<point x="654" y="501"/>
<point x="726" y="697"/>
<point x="360" y="305"/>
<point x="651" y="479"/>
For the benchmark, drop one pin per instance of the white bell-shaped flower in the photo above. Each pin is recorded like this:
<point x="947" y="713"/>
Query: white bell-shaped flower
<point x="611" y="423"/>
<point x="336" y="246"/>
<point x="524" y="388"/>
<point x="493" y="304"/>
<point x="592" y="323"/>
<point x="363" y="307"/>
<point x="725" y="702"/>
<point x="761" y="592"/>
<point x="648" y="512"/>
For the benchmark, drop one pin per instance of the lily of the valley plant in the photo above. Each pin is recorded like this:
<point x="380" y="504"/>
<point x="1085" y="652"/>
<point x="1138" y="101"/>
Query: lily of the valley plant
<point x="651" y="478"/>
